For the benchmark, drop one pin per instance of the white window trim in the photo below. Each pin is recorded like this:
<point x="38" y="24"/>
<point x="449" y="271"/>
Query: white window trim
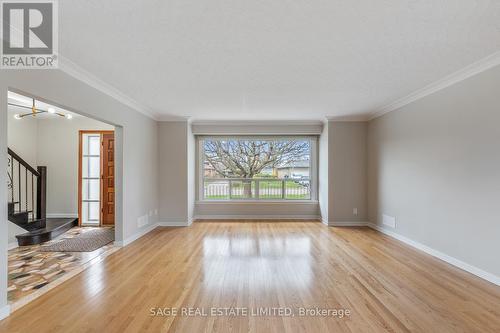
<point x="313" y="173"/>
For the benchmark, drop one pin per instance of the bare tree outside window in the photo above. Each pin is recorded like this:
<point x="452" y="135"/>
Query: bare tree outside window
<point x="269" y="167"/>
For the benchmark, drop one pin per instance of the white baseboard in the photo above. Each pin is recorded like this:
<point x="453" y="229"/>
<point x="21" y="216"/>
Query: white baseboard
<point x="62" y="215"/>
<point x="12" y="245"/>
<point x="136" y="236"/>
<point x="257" y="217"/>
<point x="450" y="260"/>
<point x="4" y="311"/>
<point x="175" y="223"/>
<point x="346" y="223"/>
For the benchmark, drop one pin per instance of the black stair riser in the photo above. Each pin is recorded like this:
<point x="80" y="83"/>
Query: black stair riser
<point x="19" y="218"/>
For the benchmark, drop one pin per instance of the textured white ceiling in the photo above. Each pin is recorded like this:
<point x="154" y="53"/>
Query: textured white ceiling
<point x="294" y="59"/>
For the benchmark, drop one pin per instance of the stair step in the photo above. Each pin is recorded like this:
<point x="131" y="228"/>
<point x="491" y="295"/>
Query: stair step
<point x="32" y="224"/>
<point x="52" y="229"/>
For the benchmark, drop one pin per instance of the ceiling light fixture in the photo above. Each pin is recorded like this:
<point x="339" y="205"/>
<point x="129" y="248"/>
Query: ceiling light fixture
<point x="34" y="111"/>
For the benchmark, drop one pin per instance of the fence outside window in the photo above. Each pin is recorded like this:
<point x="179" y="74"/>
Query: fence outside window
<point x="255" y="189"/>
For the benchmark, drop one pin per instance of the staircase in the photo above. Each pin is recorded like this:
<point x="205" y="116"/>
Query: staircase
<point x="27" y="204"/>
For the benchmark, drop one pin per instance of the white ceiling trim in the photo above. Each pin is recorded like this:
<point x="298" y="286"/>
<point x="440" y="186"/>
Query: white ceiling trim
<point x="171" y="118"/>
<point x="359" y="118"/>
<point x="466" y="72"/>
<point x="81" y="74"/>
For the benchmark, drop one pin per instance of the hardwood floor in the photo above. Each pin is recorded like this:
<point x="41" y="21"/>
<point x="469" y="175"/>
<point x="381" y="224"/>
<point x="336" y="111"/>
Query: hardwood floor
<point x="386" y="285"/>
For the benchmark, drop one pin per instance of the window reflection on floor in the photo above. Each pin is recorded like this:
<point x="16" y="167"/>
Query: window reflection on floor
<point x="261" y="262"/>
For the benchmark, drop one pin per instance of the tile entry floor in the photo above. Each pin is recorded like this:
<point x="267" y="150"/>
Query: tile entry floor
<point x="33" y="272"/>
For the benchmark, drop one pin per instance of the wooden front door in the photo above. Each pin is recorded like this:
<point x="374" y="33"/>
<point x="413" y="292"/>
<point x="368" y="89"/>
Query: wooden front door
<point x="96" y="178"/>
<point x="108" y="179"/>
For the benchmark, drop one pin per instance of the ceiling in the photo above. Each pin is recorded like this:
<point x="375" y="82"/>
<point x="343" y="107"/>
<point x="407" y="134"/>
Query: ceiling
<point x="257" y="60"/>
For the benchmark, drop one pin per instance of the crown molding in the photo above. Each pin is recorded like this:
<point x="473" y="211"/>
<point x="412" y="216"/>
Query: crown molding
<point x="172" y="118"/>
<point x="353" y="118"/>
<point x="460" y="75"/>
<point x="72" y="69"/>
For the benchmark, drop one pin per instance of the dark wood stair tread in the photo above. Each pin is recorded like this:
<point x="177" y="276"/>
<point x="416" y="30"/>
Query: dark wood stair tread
<point x="53" y="228"/>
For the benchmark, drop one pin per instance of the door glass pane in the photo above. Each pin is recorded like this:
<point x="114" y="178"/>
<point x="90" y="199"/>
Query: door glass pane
<point x="90" y="189"/>
<point x="94" y="212"/>
<point x="94" y="167"/>
<point x="85" y="212"/>
<point x="91" y="178"/>
<point x="91" y="167"/>
<point x="94" y="145"/>
<point x="91" y="144"/>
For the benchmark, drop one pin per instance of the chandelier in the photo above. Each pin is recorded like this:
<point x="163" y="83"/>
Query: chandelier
<point x="34" y="111"/>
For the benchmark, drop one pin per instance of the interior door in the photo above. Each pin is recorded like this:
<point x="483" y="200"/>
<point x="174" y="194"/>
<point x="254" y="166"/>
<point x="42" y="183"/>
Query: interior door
<point x="108" y="179"/>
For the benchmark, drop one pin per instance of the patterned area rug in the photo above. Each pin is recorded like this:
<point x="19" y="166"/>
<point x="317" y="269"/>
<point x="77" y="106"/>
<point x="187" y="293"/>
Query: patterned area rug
<point x="85" y="242"/>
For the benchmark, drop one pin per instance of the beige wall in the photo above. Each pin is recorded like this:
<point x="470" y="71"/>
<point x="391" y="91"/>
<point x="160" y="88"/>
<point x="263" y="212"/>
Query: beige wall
<point x="174" y="172"/>
<point x="22" y="137"/>
<point x="347" y="173"/>
<point x="435" y="166"/>
<point x="257" y="210"/>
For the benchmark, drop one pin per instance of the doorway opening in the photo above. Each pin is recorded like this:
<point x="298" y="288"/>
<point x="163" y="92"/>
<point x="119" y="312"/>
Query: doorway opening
<point x="44" y="195"/>
<point x="96" y="178"/>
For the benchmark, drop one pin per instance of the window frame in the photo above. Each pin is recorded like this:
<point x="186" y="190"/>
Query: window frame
<point x="313" y="167"/>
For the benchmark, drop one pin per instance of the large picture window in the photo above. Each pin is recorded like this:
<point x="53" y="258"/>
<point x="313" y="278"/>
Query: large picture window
<point x="256" y="168"/>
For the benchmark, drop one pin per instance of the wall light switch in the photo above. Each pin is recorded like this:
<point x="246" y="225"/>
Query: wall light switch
<point x="355" y="211"/>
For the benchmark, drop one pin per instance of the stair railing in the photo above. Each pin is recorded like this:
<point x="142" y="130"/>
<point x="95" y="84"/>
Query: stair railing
<point x="22" y="181"/>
